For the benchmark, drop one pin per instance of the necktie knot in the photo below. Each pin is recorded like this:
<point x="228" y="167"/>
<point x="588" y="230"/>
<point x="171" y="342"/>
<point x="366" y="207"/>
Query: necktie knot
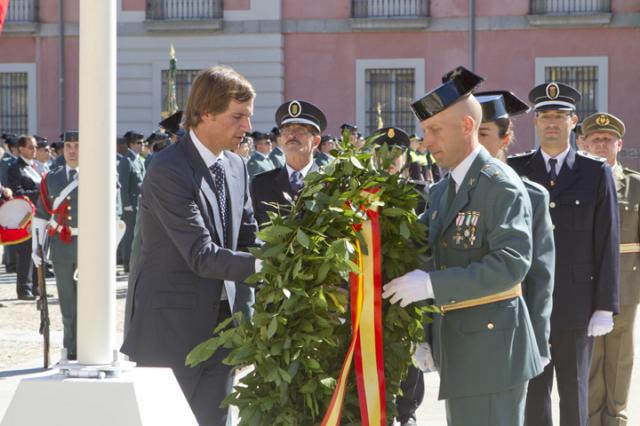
<point x="296" y="181"/>
<point x="73" y="173"/>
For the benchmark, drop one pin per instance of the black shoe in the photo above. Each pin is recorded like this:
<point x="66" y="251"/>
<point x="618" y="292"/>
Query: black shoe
<point x="27" y="295"/>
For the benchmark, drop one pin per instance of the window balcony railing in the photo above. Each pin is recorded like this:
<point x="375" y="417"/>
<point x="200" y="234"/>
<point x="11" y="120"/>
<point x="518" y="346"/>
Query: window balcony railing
<point x="22" y="11"/>
<point x="569" y="7"/>
<point x="389" y="8"/>
<point x="178" y="10"/>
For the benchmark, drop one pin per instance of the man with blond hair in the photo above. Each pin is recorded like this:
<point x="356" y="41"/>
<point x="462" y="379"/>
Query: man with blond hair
<point x="195" y="224"/>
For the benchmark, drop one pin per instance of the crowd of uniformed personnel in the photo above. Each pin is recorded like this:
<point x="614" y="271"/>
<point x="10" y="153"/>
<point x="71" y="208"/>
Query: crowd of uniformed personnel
<point x="535" y="255"/>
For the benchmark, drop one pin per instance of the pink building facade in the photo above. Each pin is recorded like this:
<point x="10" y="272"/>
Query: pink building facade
<point x="350" y="57"/>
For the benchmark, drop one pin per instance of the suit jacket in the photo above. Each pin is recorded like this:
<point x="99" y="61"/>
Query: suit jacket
<point x="584" y="212"/>
<point x="272" y="187"/>
<point x="258" y="163"/>
<point x="24" y="180"/>
<point x="537" y="286"/>
<point x="628" y="187"/>
<point x="55" y="182"/>
<point x="184" y="257"/>
<point x="489" y="348"/>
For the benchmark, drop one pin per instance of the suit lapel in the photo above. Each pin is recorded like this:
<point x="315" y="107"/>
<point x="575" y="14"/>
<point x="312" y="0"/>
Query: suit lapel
<point x="204" y="181"/>
<point x="538" y="170"/>
<point x="283" y="185"/>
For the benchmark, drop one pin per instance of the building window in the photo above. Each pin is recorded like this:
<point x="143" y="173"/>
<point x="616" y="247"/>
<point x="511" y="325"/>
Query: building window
<point x="583" y="78"/>
<point x="389" y="8"/>
<point x="388" y="94"/>
<point x="22" y="11"/>
<point x="184" y="79"/>
<point x="184" y="9"/>
<point x="562" y="7"/>
<point x="14" y="102"/>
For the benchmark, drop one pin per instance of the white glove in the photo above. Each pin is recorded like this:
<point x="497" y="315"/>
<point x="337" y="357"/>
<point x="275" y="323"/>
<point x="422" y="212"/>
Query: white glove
<point x="37" y="260"/>
<point x="424" y="358"/>
<point x="411" y="287"/>
<point x="545" y="361"/>
<point x="601" y="323"/>
<point x="258" y="266"/>
<point x="128" y="208"/>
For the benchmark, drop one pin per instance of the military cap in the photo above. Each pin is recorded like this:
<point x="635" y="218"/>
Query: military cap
<point x="172" y="123"/>
<point x="603" y="122"/>
<point x="259" y="136"/>
<point x="157" y="135"/>
<point x="349" y="127"/>
<point x="10" y="139"/>
<point x="40" y="139"/>
<point x="456" y="84"/>
<point x="275" y="132"/>
<point x="70" y="136"/>
<point x="578" y="129"/>
<point x="57" y="145"/>
<point x="392" y="136"/>
<point x="500" y="104"/>
<point x="132" y="135"/>
<point x="554" y="95"/>
<point x="301" y="112"/>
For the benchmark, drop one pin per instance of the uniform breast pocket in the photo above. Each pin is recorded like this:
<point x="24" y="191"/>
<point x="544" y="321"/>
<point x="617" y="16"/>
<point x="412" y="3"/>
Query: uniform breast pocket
<point x="579" y="209"/>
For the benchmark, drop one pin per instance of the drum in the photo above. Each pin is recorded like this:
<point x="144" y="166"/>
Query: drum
<point x="15" y="220"/>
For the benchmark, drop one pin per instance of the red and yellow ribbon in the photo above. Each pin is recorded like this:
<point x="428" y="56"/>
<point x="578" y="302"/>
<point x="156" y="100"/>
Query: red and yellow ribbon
<point x="366" y="343"/>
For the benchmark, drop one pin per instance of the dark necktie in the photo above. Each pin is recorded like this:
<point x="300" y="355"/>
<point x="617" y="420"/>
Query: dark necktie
<point x="217" y="169"/>
<point x="553" y="177"/>
<point x="296" y="182"/>
<point x="72" y="174"/>
<point x="451" y="192"/>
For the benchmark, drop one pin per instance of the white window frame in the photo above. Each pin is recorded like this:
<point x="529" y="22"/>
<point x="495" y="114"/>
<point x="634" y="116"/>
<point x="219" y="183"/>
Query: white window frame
<point x="32" y="91"/>
<point x="362" y="65"/>
<point x="602" y="62"/>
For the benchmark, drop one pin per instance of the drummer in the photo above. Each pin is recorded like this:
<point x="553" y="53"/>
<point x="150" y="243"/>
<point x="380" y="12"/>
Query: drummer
<point x="57" y="214"/>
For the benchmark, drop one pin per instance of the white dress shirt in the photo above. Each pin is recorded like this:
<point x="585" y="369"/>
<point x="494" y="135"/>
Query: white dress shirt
<point x="460" y="171"/>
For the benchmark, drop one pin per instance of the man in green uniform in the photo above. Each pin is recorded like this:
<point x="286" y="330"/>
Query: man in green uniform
<point x="612" y="362"/>
<point x="56" y="222"/>
<point x="260" y="161"/>
<point x="479" y="229"/>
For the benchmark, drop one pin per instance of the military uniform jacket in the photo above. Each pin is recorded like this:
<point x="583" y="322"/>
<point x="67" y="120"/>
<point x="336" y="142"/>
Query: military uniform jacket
<point x="584" y="213"/>
<point x="323" y="159"/>
<point x="131" y="174"/>
<point x="259" y="163"/>
<point x="481" y="246"/>
<point x="272" y="187"/>
<point x="67" y="212"/>
<point x="628" y="188"/>
<point x="5" y="162"/>
<point x="24" y="180"/>
<point x="277" y="157"/>
<point x="537" y="287"/>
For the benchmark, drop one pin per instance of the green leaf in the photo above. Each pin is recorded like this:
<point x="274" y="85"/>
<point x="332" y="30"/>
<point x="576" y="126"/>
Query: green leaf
<point x="393" y="212"/>
<point x="273" y="327"/>
<point x="356" y="163"/>
<point x="303" y="238"/>
<point x="322" y="272"/>
<point x="404" y="231"/>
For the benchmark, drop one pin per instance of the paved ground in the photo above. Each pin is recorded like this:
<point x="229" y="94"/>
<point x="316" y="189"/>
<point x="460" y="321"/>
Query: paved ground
<point x="21" y="349"/>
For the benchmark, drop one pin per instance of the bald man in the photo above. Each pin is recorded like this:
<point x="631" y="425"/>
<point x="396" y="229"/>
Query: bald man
<point x="479" y="229"/>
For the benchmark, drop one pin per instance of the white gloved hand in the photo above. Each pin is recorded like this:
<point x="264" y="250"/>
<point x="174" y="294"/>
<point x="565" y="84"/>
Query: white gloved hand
<point x="424" y="358"/>
<point x="411" y="287"/>
<point x="128" y="208"/>
<point x="601" y="323"/>
<point x="258" y="266"/>
<point x="37" y="260"/>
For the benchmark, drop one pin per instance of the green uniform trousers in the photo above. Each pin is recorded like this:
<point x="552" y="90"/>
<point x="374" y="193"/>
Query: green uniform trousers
<point x="610" y="377"/>
<point x="68" y="297"/>
<point x="498" y="409"/>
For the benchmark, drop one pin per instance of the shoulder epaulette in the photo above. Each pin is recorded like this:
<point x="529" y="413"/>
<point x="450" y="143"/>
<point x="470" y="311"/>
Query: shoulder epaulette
<point x="522" y="154"/>
<point x="590" y="156"/>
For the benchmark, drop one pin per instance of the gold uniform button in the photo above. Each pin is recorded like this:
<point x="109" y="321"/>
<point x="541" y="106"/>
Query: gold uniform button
<point x="452" y="301"/>
<point x="626" y="207"/>
<point x="490" y="326"/>
<point x="552" y="205"/>
<point x="635" y="268"/>
<point x="69" y="217"/>
<point x="69" y="197"/>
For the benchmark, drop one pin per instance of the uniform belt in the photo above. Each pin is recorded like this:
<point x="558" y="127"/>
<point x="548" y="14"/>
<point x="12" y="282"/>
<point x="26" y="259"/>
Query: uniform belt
<point x="629" y="248"/>
<point x="513" y="292"/>
<point x="55" y="226"/>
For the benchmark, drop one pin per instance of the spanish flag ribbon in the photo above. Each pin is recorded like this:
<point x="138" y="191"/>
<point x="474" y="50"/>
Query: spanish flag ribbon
<point x="366" y="343"/>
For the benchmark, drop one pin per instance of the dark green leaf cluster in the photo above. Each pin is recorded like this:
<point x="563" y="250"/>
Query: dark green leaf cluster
<point x="301" y="327"/>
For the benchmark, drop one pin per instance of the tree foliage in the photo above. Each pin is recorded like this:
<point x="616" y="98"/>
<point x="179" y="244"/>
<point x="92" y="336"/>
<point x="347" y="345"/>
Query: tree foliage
<point x="301" y="326"/>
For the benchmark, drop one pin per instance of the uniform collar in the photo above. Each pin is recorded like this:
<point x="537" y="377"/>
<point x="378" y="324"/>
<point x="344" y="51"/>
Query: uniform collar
<point x="460" y="171"/>
<point x="560" y="158"/>
<point x="302" y="171"/>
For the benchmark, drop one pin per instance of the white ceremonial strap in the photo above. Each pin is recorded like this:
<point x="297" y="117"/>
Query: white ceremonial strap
<point x="230" y="288"/>
<point x="63" y="194"/>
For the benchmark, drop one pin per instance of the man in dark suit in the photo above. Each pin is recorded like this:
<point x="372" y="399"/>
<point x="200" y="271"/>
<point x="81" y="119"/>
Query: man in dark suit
<point x="300" y="124"/>
<point x="196" y="222"/>
<point x="24" y="180"/>
<point x="276" y="155"/>
<point x="585" y="218"/>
